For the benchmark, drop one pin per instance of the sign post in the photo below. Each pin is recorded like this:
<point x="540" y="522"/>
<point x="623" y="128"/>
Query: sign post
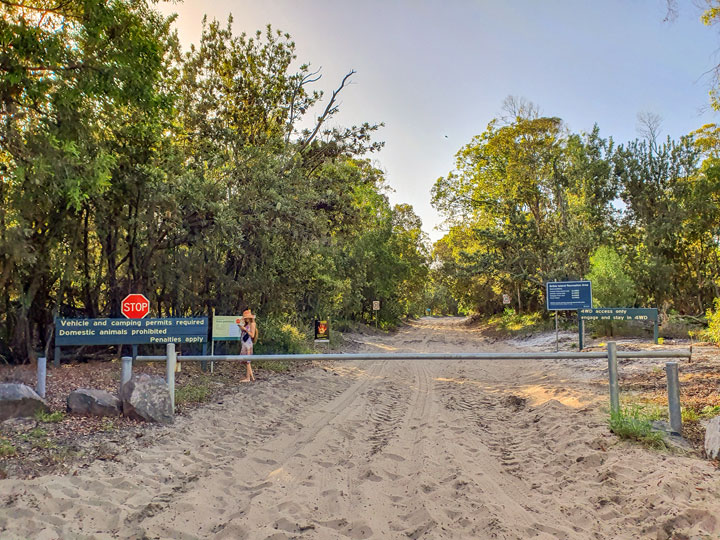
<point x="376" y="308"/>
<point x="567" y="296"/>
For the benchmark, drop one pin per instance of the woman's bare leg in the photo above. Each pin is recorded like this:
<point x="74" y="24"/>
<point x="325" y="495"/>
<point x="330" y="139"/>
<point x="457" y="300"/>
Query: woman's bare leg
<point x="249" y="372"/>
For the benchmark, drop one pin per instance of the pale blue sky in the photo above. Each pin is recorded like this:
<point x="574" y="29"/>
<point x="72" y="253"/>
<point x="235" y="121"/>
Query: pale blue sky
<point x="431" y="69"/>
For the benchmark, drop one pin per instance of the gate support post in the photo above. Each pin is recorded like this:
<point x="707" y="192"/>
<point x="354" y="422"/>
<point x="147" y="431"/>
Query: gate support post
<point x="581" y="332"/>
<point x="171" y="362"/>
<point x="125" y="373"/>
<point x="673" y="387"/>
<point x="613" y="376"/>
<point x="41" y="374"/>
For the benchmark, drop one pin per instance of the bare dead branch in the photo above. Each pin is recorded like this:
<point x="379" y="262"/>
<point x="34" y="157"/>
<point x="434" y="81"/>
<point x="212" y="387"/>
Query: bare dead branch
<point x="307" y="79"/>
<point x="329" y="110"/>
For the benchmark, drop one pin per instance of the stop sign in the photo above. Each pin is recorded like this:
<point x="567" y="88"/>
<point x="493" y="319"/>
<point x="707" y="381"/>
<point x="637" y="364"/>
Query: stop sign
<point x="135" y="306"/>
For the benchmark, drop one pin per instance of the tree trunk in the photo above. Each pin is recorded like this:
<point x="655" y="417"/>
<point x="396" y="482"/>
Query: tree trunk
<point x="519" y="301"/>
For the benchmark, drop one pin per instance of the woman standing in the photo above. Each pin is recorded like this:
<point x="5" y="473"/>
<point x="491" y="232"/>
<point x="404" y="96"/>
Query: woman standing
<point x="248" y="330"/>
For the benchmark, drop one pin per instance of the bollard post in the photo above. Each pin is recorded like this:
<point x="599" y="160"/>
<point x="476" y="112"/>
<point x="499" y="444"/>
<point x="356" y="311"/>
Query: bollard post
<point x="673" y="387"/>
<point x="613" y="376"/>
<point x="41" y="374"/>
<point x="656" y="332"/>
<point x="126" y="373"/>
<point x="170" y="364"/>
<point x="581" y="333"/>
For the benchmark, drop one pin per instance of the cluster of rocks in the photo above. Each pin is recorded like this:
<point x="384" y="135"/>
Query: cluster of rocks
<point x="143" y="397"/>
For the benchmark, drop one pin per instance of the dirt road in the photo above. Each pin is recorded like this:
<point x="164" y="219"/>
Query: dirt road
<point x="386" y="449"/>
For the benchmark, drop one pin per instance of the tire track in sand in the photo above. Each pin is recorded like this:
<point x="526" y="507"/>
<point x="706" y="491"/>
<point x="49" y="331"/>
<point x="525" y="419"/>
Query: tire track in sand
<point x="262" y="487"/>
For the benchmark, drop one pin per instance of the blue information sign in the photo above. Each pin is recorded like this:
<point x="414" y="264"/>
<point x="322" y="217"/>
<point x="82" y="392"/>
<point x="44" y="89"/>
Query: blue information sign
<point x="568" y="295"/>
<point x="130" y="331"/>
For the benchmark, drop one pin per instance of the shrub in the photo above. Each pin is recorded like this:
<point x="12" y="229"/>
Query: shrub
<point x="7" y="449"/>
<point x="38" y="438"/>
<point x="513" y="322"/>
<point x="713" y="318"/>
<point x="195" y="391"/>
<point x="54" y="417"/>
<point x="630" y="423"/>
<point x="611" y="286"/>
<point x="281" y="336"/>
<point x="710" y="411"/>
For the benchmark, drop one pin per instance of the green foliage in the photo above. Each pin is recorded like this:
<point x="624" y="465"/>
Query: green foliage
<point x="197" y="390"/>
<point x="38" y="438"/>
<point x="528" y="202"/>
<point x="709" y="17"/>
<point x="611" y="286"/>
<point x="194" y="178"/>
<point x="109" y="425"/>
<point x="280" y="336"/>
<point x="712" y="333"/>
<point x="49" y="417"/>
<point x="631" y="423"/>
<point x="518" y="323"/>
<point x="710" y="411"/>
<point x="278" y="366"/>
<point x="7" y="449"/>
<point x="689" y="415"/>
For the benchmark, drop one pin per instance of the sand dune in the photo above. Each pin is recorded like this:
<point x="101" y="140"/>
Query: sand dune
<point x="385" y="449"/>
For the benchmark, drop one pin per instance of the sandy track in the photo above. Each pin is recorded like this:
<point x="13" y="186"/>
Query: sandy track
<point x="385" y="449"/>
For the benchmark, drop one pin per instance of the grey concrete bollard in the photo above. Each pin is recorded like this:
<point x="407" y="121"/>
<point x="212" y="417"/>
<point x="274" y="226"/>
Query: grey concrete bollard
<point x="41" y="376"/>
<point x="171" y="362"/>
<point x="613" y="376"/>
<point x="126" y="372"/>
<point x="673" y="386"/>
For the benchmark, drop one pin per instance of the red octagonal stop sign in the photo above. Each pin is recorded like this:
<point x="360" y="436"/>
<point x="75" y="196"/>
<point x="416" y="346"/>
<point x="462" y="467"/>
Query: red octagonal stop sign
<point x="135" y="306"/>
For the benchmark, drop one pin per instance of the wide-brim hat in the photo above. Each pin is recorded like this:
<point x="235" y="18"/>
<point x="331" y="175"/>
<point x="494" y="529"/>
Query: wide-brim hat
<point x="247" y="314"/>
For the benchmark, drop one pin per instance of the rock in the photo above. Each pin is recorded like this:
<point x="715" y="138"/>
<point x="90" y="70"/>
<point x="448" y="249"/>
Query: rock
<point x="17" y="400"/>
<point x="92" y="402"/>
<point x="672" y="439"/>
<point x="712" y="438"/>
<point x="145" y="397"/>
